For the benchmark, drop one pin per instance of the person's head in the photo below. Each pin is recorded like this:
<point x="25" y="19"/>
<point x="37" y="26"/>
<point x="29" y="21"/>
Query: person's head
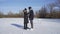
<point x="29" y="8"/>
<point x="25" y="9"/>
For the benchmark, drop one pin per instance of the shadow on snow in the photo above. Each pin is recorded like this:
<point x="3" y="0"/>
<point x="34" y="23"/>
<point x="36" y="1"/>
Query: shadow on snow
<point x="19" y="26"/>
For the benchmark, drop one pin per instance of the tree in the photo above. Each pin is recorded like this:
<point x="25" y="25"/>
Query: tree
<point x="10" y="14"/>
<point x="1" y="14"/>
<point x="21" y="13"/>
<point x="43" y="12"/>
<point x="54" y="13"/>
<point x="50" y="7"/>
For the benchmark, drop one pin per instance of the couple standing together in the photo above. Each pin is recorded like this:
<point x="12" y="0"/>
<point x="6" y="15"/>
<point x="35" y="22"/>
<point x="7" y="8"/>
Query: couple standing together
<point x="29" y="15"/>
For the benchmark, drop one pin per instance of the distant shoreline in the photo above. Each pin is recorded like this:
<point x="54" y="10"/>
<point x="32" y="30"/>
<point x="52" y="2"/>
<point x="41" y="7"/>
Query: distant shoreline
<point x="37" y="18"/>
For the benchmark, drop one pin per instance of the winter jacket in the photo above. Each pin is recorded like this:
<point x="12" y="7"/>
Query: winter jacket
<point x="25" y="17"/>
<point x="31" y="14"/>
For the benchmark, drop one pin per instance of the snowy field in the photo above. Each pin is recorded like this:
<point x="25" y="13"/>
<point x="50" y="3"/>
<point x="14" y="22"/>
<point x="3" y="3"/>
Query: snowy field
<point x="41" y="26"/>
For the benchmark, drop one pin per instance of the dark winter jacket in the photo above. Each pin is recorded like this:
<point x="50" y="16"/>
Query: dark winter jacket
<point x="31" y="15"/>
<point x="25" y="17"/>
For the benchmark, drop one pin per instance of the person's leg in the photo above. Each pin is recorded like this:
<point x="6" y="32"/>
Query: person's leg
<point x="31" y="21"/>
<point x="24" y="25"/>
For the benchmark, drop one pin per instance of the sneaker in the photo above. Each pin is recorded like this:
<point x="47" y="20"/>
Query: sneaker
<point x="27" y="29"/>
<point x="31" y="29"/>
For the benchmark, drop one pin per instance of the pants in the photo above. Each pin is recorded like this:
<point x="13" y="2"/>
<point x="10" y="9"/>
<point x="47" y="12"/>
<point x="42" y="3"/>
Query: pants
<point x="25" y="25"/>
<point x="31" y="22"/>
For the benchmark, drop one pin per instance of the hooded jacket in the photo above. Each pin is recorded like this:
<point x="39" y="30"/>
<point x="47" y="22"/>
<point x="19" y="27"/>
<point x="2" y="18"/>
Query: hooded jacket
<point x="31" y="14"/>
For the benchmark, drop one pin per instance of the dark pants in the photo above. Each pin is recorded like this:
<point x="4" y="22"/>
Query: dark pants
<point x="25" y="22"/>
<point x="25" y="25"/>
<point x="31" y="21"/>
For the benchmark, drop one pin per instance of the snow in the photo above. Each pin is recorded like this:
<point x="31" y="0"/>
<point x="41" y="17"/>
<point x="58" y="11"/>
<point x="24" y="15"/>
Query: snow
<point x="41" y="26"/>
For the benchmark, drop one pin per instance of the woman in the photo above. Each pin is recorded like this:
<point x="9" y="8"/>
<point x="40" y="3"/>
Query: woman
<point x="25" y="18"/>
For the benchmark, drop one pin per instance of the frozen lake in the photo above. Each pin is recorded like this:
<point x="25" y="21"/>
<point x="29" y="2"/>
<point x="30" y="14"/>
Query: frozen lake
<point x="41" y="26"/>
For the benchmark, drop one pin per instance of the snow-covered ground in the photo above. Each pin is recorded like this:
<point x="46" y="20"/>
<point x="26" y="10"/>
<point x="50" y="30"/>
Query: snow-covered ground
<point x="41" y="26"/>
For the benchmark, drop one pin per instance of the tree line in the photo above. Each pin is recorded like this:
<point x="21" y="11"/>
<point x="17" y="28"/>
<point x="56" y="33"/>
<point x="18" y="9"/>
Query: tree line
<point x="52" y="10"/>
<point x="11" y="15"/>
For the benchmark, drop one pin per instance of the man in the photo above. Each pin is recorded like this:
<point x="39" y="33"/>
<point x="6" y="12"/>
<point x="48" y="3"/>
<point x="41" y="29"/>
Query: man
<point x="31" y="16"/>
<point x="25" y="18"/>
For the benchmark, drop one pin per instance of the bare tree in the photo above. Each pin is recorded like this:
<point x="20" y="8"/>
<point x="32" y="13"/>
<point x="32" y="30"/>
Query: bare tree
<point x="1" y="14"/>
<point x="43" y="12"/>
<point x="21" y="13"/>
<point x="50" y="7"/>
